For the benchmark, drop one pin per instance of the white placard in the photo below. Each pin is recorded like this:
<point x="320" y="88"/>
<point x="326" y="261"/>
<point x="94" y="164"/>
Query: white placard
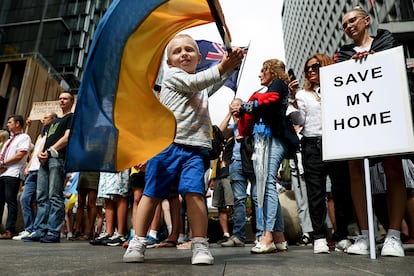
<point x="366" y="108"/>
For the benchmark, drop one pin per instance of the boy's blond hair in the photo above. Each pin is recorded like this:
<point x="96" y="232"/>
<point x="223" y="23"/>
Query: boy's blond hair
<point x="182" y="36"/>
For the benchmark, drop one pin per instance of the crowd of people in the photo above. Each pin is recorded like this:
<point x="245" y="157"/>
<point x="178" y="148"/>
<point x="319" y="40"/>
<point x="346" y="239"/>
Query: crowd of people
<point x="279" y="122"/>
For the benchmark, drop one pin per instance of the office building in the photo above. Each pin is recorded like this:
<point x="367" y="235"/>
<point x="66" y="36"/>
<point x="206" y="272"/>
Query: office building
<point x="43" y="49"/>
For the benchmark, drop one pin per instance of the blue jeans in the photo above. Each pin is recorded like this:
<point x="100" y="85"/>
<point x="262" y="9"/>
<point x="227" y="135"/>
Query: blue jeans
<point x="272" y="211"/>
<point x="239" y="186"/>
<point x="9" y="188"/>
<point x="50" y="199"/>
<point x="27" y="199"/>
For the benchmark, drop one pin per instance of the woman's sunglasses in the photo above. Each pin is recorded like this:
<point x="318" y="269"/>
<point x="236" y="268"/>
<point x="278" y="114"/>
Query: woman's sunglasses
<point x="314" y="66"/>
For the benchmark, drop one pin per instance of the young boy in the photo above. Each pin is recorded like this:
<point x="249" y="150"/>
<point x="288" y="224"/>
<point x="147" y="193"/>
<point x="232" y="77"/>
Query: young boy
<point x="186" y="94"/>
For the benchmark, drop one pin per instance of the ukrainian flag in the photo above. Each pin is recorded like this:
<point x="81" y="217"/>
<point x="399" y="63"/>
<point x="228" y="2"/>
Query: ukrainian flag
<point x="118" y="121"/>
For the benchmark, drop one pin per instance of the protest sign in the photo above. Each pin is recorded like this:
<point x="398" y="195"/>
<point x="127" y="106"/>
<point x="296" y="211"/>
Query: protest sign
<point x="39" y="109"/>
<point x="366" y="108"/>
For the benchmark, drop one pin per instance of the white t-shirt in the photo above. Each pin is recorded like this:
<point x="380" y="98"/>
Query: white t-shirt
<point x="21" y="142"/>
<point x="35" y="165"/>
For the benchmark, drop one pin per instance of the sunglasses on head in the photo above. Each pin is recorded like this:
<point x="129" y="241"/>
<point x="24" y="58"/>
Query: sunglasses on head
<point x="314" y="66"/>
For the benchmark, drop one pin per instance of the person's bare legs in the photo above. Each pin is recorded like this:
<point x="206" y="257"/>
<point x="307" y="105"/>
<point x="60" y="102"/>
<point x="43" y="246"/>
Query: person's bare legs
<point x="155" y="223"/>
<point x="99" y="220"/>
<point x="69" y="222"/>
<point x="137" y="197"/>
<point x="359" y="201"/>
<point x="146" y="209"/>
<point x="92" y="212"/>
<point x="121" y="214"/>
<point x="175" y="206"/>
<point x="396" y="201"/>
<point x="110" y="216"/>
<point x="223" y="219"/>
<point x="197" y="214"/>
<point x="80" y="212"/>
<point x="166" y="213"/>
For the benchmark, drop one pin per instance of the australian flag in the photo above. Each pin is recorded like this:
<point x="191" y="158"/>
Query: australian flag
<point x="212" y="53"/>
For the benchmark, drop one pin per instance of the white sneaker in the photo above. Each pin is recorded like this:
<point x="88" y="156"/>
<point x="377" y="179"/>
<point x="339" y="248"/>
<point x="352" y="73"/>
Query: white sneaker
<point x="135" y="251"/>
<point x="360" y="246"/>
<point x="201" y="253"/>
<point x="21" y="235"/>
<point x="392" y="247"/>
<point x="282" y="246"/>
<point x="320" y="246"/>
<point x="343" y="245"/>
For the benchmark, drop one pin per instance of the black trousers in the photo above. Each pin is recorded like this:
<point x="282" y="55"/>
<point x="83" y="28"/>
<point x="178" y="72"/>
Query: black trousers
<point x="315" y="173"/>
<point x="9" y="188"/>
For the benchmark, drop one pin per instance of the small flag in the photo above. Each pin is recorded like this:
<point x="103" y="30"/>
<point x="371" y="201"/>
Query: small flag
<point x="212" y="53"/>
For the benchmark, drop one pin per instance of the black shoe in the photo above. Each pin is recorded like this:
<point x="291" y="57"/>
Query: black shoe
<point x="115" y="240"/>
<point x="304" y="241"/>
<point x="50" y="239"/>
<point x="33" y="237"/>
<point x="101" y="239"/>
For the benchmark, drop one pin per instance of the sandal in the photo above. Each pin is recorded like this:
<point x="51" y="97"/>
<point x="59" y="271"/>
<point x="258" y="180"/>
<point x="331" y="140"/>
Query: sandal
<point x="167" y="243"/>
<point x="186" y="245"/>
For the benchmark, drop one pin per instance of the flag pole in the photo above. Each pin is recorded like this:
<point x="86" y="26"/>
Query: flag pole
<point x="370" y="214"/>
<point x="241" y="68"/>
<point x="218" y="16"/>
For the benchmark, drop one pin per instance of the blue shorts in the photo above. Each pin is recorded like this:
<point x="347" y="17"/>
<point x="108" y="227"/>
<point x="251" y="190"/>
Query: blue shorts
<point x="176" y="163"/>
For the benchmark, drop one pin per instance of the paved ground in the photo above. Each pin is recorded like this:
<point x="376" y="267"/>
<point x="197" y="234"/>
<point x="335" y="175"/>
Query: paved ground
<point x="80" y="258"/>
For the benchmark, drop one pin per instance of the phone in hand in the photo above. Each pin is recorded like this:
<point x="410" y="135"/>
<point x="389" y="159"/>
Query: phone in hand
<point x="291" y="74"/>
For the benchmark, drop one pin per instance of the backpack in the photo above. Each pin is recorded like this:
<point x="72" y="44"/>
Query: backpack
<point x="217" y="142"/>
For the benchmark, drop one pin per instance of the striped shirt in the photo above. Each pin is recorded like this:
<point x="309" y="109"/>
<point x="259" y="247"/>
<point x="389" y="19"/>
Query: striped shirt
<point x="186" y="95"/>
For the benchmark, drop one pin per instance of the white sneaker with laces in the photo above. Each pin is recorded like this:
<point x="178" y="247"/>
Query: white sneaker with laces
<point x="320" y="246"/>
<point x="21" y="235"/>
<point x="282" y="246"/>
<point x="201" y="252"/>
<point x="360" y="246"/>
<point x="343" y="245"/>
<point x="259" y="248"/>
<point x="135" y="251"/>
<point x="392" y="247"/>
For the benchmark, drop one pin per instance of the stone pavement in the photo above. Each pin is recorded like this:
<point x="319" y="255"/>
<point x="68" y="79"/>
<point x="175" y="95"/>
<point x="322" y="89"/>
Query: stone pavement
<point x="80" y="258"/>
